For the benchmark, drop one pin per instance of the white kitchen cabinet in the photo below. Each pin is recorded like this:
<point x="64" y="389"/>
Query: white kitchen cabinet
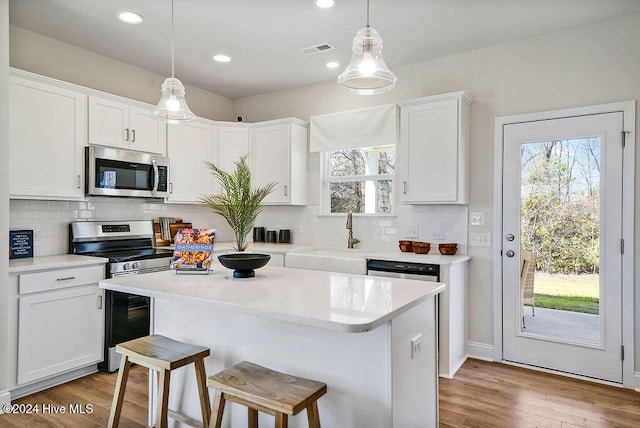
<point x="279" y="154"/>
<point x="233" y="142"/>
<point x="433" y="151"/>
<point x="120" y="123"/>
<point x="47" y="134"/>
<point x="60" y="321"/>
<point x="189" y="146"/>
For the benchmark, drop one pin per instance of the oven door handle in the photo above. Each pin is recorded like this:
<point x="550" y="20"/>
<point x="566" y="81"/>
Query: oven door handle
<point x="156" y="179"/>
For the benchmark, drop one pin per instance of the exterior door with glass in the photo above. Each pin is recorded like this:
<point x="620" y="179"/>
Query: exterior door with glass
<point x="561" y="249"/>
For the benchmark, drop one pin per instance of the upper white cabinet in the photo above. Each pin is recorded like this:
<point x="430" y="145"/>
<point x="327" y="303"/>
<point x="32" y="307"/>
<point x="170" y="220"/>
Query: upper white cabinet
<point x="233" y="142"/>
<point x="47" y="133"/>
<point x="279" y="154"/>
<point x="433" y="150"/>
<point x="117" y="123"/>
<point x="189" y="146"/>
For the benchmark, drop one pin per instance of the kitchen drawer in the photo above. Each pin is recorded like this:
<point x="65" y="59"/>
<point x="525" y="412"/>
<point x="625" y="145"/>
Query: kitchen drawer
<point x="56" y="279"/>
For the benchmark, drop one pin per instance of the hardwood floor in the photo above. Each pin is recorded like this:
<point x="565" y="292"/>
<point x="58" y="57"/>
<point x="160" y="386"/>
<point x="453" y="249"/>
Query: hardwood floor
<point x="481" y="395"/>
<point x="486" y="394"/>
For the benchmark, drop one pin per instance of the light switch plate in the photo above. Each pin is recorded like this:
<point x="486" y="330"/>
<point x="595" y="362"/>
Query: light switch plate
<point x="479" y="239"/>
<point x="476" y="218"/>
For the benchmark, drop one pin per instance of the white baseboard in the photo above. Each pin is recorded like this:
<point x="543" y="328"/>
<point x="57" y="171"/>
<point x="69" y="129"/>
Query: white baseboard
<point x="5" y="398"/>
<point x="480" y="351"/>
<point x="23" y="391"/>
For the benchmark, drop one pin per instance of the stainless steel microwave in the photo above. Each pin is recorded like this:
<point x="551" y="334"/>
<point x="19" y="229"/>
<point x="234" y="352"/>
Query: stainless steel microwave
<point x="116" y="172"/>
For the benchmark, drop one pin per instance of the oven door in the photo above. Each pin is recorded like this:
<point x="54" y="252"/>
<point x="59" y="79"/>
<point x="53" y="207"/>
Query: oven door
<point x="127" y="317"/>
<point x="115" y="172"/>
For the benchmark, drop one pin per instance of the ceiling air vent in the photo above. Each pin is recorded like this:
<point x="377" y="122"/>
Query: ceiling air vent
<point x="312" y="50"/>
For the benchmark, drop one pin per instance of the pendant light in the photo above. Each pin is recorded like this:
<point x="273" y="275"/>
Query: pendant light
<point x="367" y="74"/>
<point x="172" y="107"/>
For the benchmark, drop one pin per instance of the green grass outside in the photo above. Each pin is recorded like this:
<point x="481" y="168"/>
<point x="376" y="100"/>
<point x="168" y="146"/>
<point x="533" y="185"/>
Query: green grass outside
<point x="576" y="293"/>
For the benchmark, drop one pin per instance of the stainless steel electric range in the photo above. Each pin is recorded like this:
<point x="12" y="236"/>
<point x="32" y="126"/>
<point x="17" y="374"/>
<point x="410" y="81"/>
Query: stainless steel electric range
<point x="130" y="248"/>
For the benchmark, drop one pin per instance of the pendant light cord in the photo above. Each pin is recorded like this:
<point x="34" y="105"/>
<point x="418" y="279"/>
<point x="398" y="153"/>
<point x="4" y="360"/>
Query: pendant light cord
<point x="172" y="61"/>
<point x="367" y="12"/>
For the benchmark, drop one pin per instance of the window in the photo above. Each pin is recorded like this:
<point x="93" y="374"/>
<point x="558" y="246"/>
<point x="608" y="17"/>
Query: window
<point x="359" y="180"/>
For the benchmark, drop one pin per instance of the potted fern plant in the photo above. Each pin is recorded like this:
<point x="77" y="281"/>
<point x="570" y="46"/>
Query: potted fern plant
<point x="239" y="204"/>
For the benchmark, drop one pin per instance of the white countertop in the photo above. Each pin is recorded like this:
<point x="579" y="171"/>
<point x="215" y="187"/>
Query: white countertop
<point x="343" y="302"/>
<point x="53" y="262"/>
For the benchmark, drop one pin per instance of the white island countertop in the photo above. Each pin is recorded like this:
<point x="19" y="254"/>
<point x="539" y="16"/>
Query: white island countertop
<point x="336" y="301"/>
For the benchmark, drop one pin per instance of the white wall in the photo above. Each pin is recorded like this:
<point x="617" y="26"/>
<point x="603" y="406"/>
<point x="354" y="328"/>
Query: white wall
<point x="594" y="64"/>
<point x="49" y="57"/>
<point x="4" y="192"/>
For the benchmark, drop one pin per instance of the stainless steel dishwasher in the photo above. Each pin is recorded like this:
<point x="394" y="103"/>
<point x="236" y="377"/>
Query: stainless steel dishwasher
<point x="407" y="270"/>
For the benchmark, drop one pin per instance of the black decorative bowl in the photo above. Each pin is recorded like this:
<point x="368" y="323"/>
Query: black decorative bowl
<point x="244" y="263"/>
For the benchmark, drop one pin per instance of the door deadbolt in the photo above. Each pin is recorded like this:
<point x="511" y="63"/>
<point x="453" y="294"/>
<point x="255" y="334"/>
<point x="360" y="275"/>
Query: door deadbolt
<point x="510" y="253"/>
<point x="510" y="237"/>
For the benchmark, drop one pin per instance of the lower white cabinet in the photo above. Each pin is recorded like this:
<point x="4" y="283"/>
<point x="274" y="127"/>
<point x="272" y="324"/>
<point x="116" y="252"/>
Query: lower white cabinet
<point x="59" y="321"/>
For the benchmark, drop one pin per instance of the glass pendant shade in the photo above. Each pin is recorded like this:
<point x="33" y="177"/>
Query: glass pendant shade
<point x="172" y="107"/>
<point x="367" y="74"/>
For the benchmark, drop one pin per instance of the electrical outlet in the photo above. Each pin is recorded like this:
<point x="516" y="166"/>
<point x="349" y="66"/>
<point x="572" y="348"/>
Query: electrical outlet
<point x="479" y="239"/>
<point x="416" y="346"/>
<point x="438" y="235"/>
<point x="412" y="232"/>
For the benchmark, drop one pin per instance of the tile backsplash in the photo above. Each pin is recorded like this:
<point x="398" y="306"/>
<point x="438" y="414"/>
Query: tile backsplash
<point x="436" y="223"/>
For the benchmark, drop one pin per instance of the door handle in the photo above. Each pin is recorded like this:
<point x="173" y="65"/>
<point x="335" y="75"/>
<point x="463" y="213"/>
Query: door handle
<point x="99" y="302"/>
<point x="133" y="133"/>
<point x="127" y="137"/>
<point x="286" y="190"/>
<point x="510" y="253"/>
<point x="404" y="187"/>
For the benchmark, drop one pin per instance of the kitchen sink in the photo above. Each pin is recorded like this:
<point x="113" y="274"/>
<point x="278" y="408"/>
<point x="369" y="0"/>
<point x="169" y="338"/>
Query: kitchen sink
<point x="345" y="260"/>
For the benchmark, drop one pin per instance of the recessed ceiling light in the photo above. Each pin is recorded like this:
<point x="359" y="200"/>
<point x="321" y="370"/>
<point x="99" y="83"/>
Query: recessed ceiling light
<point x="333" y="64"/>
<point x="221" y="58"/>
<point x="130" y="17"/>
<point x="324" y="3"/>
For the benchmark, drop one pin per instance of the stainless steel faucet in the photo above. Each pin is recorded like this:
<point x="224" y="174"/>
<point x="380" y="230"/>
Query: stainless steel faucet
<point x="351" y="241"/>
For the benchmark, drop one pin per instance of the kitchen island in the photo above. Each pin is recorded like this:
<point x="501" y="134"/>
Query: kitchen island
<point x="372" y="340"/>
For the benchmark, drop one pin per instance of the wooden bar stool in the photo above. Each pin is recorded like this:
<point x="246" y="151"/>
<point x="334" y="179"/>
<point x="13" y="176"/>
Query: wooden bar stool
<point x="161" y="354"/>
<point x="265" y="390"/>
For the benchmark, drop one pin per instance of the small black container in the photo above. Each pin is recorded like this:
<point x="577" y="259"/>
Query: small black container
<point x="271" y="236"/>
<point x="258" y="234"/>
<point x="284" y="236"/>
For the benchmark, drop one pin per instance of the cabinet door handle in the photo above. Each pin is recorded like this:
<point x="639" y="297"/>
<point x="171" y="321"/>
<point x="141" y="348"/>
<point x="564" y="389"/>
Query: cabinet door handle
<point x="68" y="278"/>
<point x="286" y="190"/>
<point x="127" y="137"/>
<point x="404" y="187"/>
<point x="170" y="187"/>
<point x="79" y="181"/>
<point x="133" y="133"/>
<point x="99" y="302"/>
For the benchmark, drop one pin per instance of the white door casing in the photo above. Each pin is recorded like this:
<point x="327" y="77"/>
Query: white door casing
<point x="625" y="183"/>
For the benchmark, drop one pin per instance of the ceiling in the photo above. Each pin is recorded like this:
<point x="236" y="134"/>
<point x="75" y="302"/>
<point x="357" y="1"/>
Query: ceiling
<point x="264" y="38"/>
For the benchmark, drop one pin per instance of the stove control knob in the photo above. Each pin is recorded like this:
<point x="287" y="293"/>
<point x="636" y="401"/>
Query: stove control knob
<point x="135" y="265"/>
<point x="126" y="266"/>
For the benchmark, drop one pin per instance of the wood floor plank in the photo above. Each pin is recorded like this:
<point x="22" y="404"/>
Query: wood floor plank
<point x="481" y="395"/>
